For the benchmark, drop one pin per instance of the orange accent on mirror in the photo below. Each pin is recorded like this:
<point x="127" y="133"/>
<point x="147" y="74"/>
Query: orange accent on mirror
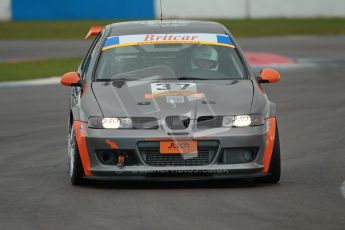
<point x="94" y="30"/>
<point x="268" y="75"/>
<point x="70" y="79"/>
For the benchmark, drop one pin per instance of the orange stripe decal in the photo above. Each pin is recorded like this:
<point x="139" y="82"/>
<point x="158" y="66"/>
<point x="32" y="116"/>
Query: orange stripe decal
<point x="80" y="133"/>
<point x="112" y="144"/>
<point x="271" y="132"/>
<point x="196" y="95"/>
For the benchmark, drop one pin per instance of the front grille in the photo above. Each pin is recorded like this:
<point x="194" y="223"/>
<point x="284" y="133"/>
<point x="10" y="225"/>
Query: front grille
<point x="145" y="123"/>
<point x="209" y="122"/>
<point x="151" y="155"/>
<point x="177" y="122"/>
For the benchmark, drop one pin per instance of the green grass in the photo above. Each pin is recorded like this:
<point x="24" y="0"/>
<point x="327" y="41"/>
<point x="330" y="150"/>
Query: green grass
<point x="46" y="29"/>
<point x="37" y="69"/>
<point x="242" y="28"/>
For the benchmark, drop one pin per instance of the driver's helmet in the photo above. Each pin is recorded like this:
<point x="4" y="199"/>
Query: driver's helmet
<point x="205" y="57"/>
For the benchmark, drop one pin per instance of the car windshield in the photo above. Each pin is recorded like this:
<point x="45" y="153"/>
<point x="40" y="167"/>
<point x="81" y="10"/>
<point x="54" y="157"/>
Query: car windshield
<point x="173" y="60"/>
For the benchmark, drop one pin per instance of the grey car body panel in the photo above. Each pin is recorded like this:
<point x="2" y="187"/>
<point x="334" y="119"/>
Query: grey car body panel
<point x="104" y="99"/>
<point x="91" y="108"/>
<point x="261" y="104"/>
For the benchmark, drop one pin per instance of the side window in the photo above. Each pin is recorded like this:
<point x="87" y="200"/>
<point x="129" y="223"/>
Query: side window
<point x="90" y="54"/>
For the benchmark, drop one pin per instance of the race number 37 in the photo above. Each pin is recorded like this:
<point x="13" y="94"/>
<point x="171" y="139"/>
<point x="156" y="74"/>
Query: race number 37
<point x="173" y="87"/>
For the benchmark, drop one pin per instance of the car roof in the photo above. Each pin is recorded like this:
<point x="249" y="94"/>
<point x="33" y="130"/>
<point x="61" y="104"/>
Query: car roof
<point x="164" y="27"/>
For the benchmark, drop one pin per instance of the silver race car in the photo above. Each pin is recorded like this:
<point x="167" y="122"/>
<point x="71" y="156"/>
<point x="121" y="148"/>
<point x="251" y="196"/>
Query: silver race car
<point x="170" y="100"/>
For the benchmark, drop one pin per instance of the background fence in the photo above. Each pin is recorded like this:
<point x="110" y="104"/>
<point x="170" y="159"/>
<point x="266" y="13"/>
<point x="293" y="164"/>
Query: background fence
<point x="149" y="9"/>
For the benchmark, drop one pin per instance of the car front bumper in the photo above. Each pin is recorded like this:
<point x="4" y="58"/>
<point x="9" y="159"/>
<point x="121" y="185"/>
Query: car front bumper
<point x="128" y="140"/>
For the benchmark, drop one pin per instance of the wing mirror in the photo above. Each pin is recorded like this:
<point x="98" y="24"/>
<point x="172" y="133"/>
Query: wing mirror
<point x="268" y="75"/>
<point x="71" y="79"/>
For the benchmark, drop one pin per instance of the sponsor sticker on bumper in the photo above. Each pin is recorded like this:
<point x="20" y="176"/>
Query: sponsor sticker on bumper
<point x="178" y="147"/>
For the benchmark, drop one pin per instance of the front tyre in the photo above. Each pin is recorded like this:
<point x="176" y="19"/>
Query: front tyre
<point x="76" y="171"/>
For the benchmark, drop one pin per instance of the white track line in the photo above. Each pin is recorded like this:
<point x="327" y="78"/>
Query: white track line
<point x="342" y="189"/>
<point x="36" y="82"/>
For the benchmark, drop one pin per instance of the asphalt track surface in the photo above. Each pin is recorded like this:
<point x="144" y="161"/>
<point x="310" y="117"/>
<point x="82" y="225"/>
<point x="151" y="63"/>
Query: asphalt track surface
<point x="35" y="192"/>
<point x="24" y="50"/>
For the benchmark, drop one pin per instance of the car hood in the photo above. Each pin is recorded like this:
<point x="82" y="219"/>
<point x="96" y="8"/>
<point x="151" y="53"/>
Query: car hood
<point x="204" y="98"/>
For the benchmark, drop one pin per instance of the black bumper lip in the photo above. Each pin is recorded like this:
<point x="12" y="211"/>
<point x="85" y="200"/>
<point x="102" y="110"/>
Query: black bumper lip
<point x="178" y="176"/>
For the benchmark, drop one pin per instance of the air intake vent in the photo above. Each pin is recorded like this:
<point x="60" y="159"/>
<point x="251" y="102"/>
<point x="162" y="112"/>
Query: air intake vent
<point x="209" y="122"/>
<point x="145" y="123"/>
<point x="177" y="122"/>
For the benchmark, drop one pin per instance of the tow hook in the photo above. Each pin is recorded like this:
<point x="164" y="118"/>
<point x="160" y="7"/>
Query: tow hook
<point x="120" y="161"/>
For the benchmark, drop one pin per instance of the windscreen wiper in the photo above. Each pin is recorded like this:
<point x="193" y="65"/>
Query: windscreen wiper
<point x="119" y="82"/>
<point x="191" y="78"/>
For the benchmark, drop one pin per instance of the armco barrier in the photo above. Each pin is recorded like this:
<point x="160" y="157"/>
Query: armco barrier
<point x="251" y="8"/>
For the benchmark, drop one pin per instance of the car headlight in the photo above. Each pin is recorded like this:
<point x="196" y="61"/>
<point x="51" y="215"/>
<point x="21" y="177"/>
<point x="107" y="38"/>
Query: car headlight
<point x="240" y="121"/>
<point x="110" y="123"/>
